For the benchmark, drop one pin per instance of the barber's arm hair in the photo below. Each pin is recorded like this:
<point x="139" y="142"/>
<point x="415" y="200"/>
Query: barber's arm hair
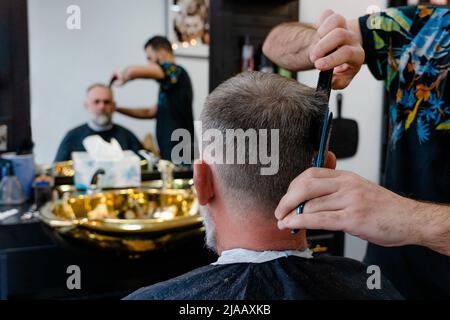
<point x="150" y="71"/>
<point x="139" y="113"/>
<point x="433" y="221"/>
<point x="289" y="44"/>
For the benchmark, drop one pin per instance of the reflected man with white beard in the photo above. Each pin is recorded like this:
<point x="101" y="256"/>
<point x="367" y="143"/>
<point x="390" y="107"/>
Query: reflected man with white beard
<point x="257" y="260"/>
<point x="100" y="105"/>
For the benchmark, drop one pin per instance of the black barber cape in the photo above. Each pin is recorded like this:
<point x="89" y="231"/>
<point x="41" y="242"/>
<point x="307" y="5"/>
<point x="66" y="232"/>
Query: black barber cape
<point x="73" y="140"/>
<point x="292" y="278"/>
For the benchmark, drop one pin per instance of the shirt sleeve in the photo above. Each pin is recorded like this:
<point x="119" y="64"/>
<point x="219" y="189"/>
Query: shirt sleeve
<point x="171" y="74"/>
<point x="384" y="34"/>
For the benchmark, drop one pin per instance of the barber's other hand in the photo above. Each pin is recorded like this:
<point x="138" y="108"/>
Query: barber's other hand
<point x="340" y="200"/>
<point x="347" y="60"/>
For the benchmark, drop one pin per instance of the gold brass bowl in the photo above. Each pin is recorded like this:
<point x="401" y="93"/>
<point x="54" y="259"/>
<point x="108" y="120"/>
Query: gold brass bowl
<point x="65" y="168"/>
<point x="133" y="220"/>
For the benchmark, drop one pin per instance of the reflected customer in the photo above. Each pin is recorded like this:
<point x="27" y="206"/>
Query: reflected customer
<point x="100" y="105"/>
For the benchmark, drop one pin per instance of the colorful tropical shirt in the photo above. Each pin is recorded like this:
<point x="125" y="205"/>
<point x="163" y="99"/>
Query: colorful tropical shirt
<point x="174" y="107"/>
<point x="408" y="48"/>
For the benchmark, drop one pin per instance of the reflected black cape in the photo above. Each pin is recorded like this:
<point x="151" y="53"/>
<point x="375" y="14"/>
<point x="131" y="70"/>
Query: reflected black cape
<point x="322" y="277"/>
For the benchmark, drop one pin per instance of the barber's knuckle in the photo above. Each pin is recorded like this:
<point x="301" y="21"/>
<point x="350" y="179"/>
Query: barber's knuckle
<point x="357" y="53"/>
<point x="351" y="51"/>
<point x="354" y="39"/>
<point x="295" y="183"/>
<point x="310" y="173"/>
<point x="338" y="20"/>
<point x="328" y="12"/>
<point x="341" y="35"/>
<point x="311" y="205"/>
<point x="361" y="55"/>
<point x="329" y="60"/>
<point x="297" y="195"/>
<point x="352" y="180"/>
<point x="307" y="184"/>
<point x="317" y="49"/>
<point x="347" y="51"/>
<point x="346" y="180"/>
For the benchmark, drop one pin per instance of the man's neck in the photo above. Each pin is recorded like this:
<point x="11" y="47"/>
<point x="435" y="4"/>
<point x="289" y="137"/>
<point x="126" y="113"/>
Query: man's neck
<point x="253" y="231"/>
<point x="91" y="124"/>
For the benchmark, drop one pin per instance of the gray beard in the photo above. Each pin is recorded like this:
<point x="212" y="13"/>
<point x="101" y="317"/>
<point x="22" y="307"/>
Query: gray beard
<point x="100" y="123"/>
<point x="210" y="228"/>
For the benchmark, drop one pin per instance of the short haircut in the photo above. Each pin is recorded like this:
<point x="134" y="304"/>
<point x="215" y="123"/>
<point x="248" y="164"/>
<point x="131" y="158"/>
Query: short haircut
<point x="159" y="42"/>
<point x="95" y="85"/>
<point x="256" y="100"/>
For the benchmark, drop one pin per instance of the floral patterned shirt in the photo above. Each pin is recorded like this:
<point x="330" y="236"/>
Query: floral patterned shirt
<point x="408" y="48"/>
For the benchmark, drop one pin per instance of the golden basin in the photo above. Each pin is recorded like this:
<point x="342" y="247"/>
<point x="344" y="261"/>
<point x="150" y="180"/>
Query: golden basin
<point x="134" y="220"/>
<point x="65" y="168"/>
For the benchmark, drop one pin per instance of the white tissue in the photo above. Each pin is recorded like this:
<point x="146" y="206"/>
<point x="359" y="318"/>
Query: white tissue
<point x="122" y="168"/>
<point x="100" y="150"/>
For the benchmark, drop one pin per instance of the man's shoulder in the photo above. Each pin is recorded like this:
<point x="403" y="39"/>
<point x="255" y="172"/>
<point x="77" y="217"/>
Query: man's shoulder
<point x="178" y="288"/>
<point x="122" y="130"/>
<point x="354" y="279"/>
<point x="322" y="277"/>
<point x="344" y="266"/>
<point x="77" y="131"/>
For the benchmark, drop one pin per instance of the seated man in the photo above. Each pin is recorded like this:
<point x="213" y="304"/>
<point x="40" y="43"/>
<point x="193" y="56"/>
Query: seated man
<point x="100" y="105"/>
<point x="258" y="260"/>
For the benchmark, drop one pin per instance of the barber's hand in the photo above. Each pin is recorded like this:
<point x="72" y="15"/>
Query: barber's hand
<point x="347" y="60"/>
<point x="117" y="78"/>
<point x="341" y="200"/>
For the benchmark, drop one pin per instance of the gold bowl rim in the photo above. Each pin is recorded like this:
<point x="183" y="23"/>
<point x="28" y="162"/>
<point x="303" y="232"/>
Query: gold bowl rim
<point x="115" y="225"/>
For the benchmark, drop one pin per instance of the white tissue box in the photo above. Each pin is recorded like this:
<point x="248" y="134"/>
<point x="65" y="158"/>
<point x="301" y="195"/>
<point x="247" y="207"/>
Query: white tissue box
<point x="119" y="173"/>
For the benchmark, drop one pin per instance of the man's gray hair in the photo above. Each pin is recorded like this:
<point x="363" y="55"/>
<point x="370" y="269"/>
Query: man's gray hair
<point x="256" y="100"/>
<point x="95" y="85"/>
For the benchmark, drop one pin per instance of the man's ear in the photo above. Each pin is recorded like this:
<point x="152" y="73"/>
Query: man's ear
<point x="203" y="182"/>
<point x="330" y="162"/>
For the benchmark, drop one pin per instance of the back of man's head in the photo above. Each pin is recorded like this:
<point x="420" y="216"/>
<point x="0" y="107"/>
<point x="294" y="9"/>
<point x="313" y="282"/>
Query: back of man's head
<point x="255" y="100"/>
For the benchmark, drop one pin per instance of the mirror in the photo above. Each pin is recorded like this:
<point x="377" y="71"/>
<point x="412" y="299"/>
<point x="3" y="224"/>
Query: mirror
<point x="74" y="46"/>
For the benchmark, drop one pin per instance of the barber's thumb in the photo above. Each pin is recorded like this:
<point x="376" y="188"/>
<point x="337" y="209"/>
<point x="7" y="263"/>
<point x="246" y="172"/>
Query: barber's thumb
<point x="281" y="225"/>
<point x="286" y="224"/>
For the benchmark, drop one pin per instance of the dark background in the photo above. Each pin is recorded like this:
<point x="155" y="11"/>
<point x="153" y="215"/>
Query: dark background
<point x="14" y="73"/>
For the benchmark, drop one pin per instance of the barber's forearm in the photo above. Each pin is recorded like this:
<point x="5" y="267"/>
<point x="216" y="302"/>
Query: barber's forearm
<point x="139" y="113"/>
<point x="289" y="44"/>
<point x="433" y="226"/>
<point x="129" y="74"/>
